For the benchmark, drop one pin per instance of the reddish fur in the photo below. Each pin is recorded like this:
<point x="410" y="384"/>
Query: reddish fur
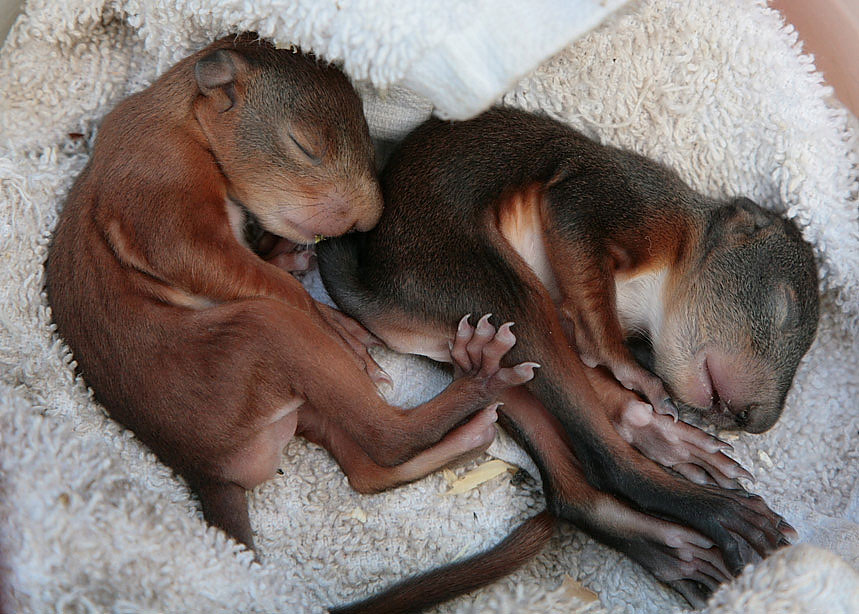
<point x="213" y="357"/>
<point x="416" y="594"/>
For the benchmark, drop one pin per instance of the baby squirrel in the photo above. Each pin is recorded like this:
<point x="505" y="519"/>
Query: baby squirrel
<point x="211" y="355"/>
<point x="582" y="245"/>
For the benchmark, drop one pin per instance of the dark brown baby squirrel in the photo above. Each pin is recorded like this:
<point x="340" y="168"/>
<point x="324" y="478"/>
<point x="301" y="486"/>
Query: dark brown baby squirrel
<point x="211" y="355"/>
<point x="582" y="245"/>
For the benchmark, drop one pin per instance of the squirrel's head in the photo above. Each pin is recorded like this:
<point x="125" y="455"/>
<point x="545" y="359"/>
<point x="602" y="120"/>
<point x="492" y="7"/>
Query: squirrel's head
<point x="289" y="134"/>
<point x="742" y="314"/>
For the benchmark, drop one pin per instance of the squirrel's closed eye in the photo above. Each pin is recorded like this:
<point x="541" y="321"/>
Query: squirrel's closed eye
<point x="306" y="149"/>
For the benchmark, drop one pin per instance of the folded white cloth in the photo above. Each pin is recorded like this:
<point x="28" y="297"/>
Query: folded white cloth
<point x="92" y="522"/>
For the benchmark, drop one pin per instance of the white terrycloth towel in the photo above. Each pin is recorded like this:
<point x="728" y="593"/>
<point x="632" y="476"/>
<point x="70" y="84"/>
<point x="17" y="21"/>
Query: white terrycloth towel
<point x="92" y="522"/>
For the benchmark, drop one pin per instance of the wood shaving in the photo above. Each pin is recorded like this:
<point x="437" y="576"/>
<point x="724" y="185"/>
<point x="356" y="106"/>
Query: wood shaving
<point x="479" y="475"/>
<point x="462" y="552"/>
<point x="359" y="515"/>
<point x="573" y="589"/>
<point x="765" y="459"/>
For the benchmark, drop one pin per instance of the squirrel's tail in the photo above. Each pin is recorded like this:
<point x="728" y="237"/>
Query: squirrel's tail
<point x="415" y="594"/>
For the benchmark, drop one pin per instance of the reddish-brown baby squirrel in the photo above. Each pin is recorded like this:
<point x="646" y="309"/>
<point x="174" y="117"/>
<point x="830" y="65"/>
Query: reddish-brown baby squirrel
<point x="212" y="356"/>
<point x="580" y="244"/>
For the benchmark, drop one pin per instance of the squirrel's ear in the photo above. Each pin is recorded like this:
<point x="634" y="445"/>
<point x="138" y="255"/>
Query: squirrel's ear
<point x="216" y="76"/>
<point x="784" y="306"/>
<point x="747" y="217"/>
